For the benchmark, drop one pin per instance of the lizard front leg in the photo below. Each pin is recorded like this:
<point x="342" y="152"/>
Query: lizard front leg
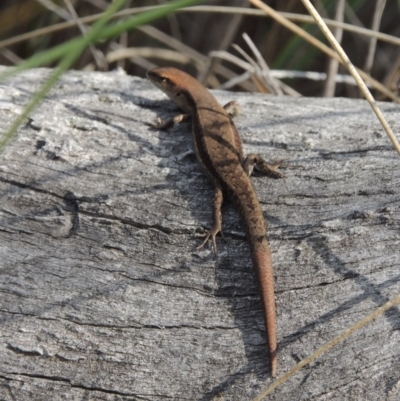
<point x="232" y="109"/>
<point x="252" y="160"/>
<point x="217" y="220"/>
<point x="164" y="125"/>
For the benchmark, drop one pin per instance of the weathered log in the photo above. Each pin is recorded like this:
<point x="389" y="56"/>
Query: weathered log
<point x="103" y="295"/>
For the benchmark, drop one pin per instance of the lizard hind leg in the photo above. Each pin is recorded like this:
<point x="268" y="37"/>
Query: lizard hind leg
<point x="272" y="169"/>
<point x="217" y="221"/>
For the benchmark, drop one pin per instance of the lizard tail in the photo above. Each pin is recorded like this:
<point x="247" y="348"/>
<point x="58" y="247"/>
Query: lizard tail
<point x="243" y="194"/>
<point x="263" y="263"/>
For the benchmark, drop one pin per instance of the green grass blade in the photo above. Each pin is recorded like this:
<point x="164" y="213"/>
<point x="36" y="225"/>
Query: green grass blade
<point x="108" y="32"/>
<point x="72" y="50"/>
<point x="66" y="63"/>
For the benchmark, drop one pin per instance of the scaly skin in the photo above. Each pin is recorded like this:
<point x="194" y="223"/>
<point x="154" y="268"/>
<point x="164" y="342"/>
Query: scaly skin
<point x="219" y="151"/>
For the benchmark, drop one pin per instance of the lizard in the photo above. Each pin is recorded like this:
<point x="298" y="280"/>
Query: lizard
<point x="219" y="152"/>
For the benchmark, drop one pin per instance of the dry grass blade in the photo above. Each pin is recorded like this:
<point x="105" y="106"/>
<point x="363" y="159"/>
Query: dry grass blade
<point x="280" y="74"/>
<point x="10" y="56"/>
<point x="70" y="51"/>
<point x="256" y="70"/>
<point x="147" y="52"/>
<point x="225" y="72"/>
<point x="393" y="78"/>
<point x="228" y="32"/>
<point x="250" y="61"/>
<point x="66" y="61"/>
<point x="262" y="68"/>
<point x="198" y="58"/>
<point x="97" y="55"/>
<point x="342" y="58"/>
<point x="380" y="5"/>
<point x="214" y="9"/>
<point x="100" y="4"/>
<point x="67" y="24"/>
<point x="55" y="9"/>
<point x="263" y="85"/>
<point x="328" y="346"/>
<point x="312" y="75"/>
<point x="317" y="43"/>
<point x="222" y="54"/>
<point x="333" y="65"/>
<point x="236" y="80"/>
<point x="353" y="71"/>
<point x="260" y="61"/>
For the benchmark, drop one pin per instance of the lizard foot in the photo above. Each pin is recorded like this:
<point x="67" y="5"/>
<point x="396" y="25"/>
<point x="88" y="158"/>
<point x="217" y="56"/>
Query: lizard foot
<point x="161" y="124"/>
<point x="164" y="125"/>
<point x="263" y="166"/>
<point x="233" y="109"/>
<point x="211" y="235"/>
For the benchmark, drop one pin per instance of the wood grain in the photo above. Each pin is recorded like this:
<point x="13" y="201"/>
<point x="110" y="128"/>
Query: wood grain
<point x="102" y="293"/>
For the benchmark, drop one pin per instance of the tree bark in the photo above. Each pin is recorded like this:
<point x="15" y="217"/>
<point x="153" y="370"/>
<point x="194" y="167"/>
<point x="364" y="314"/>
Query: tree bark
<point x="103" y="295"/>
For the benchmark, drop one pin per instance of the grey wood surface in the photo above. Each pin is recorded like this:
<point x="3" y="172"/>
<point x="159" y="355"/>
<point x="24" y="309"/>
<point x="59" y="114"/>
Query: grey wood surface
<point x="103" y="295"/>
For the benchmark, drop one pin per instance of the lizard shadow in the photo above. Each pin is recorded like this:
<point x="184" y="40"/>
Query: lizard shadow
<point x="236" y="283"/>
<point x="252" y="325"/>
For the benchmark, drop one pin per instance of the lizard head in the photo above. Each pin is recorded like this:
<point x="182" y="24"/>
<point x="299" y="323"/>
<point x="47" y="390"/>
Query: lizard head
<point x="173" y="83"/>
